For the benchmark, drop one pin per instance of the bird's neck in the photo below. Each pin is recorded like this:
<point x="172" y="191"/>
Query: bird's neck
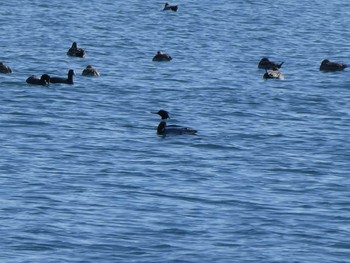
<point x="161" y="127"/>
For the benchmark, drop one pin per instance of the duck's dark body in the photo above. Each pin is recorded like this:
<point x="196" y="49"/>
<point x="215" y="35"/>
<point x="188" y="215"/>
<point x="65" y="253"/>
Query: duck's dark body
<point x="326" y="65"/>
<point x="43" y="80"/>
<point x="170" y="7"/>
<point x="160" y="57"/>
<point x="265" y="63"/>
<point x="5" y="69"/>
<point x="68" y="80"/>
<point x="74" y="51"/>
<point x="89" y="71"/>
<point x="164" y="129"/>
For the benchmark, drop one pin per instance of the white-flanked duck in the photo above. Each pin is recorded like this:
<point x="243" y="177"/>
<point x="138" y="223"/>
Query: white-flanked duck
<point x="170" y="7"/>
<point x="164" y="129"/>
<point x="265" y="63"/>
<point x="68" y="80"/>
<point x="43" y="80"/>
<point x="160" y="57"/>
<point x="326" y="65"/>
<point x="273" y="74"/>
<point x="74" y="51"/>
<point x="89" y="71"/>
<point x="5" y="69"/>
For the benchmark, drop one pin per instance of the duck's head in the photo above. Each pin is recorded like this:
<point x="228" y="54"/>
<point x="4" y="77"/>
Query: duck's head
<point x="163" y="114"/>
<point x="325" y="61"/>
<point x="74" y="45"/>
<point x="264" y="59"/>
<point x="71" y="72"/>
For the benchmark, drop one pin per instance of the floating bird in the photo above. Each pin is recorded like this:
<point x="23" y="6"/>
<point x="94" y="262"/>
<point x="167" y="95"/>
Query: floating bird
<point x="90" y="72"/>
<point x="170" y="7"/>
<point x="5" y="69"/>
<point x="274" y="74"/>
<point x="74" y="51"/>
<point x="164" y="129"/>
<point x="69" y="80"/>
<point x="265" y="63"/>
<point x="160" y="57"/>
<point x="43" y="80"/>
<point x="326" y="65"/>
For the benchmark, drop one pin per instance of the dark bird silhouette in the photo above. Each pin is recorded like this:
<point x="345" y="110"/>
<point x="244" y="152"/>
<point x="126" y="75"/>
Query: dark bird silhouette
<point x="74" y="51"/>
<point x="265" y="63"/>
<point x="89" y="71"/>
<point x="68" y="80"/>
<point x="43" y="80"/>
<point x="164" y="129"/>
<point x="160" y="57"/>
<point x="170" y="7"/>
<point x="326" y="65"/>
<point x="5" y="69"/>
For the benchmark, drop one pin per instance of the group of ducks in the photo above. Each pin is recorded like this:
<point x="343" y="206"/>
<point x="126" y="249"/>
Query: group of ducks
<point x="162" y="129"/>
<point x="73" y="51"/>
<point x="272" y="69"/>
<point x="45" y="79"/>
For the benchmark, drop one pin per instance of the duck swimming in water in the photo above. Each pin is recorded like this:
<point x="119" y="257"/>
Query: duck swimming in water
<point x="274" y="74"/>
<point x="160" y="57"/>
<point x="326" y="65"/>
<point x="5" y="69"/>
<point x="90" y="72"/>
<point x="170" y="7"/>
<point x="69" y="80"/>
<point x="43" y="80"/>
<point x="265" y="63"/>
<point x="74" y="51"/>
<point x="164" y="129"/>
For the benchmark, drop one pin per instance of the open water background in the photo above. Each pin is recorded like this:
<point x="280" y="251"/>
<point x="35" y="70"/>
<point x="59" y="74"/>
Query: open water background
<point x="85" y="178"/>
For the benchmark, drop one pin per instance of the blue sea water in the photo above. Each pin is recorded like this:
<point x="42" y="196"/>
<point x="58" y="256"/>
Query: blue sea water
<point x="85" y="178"/>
